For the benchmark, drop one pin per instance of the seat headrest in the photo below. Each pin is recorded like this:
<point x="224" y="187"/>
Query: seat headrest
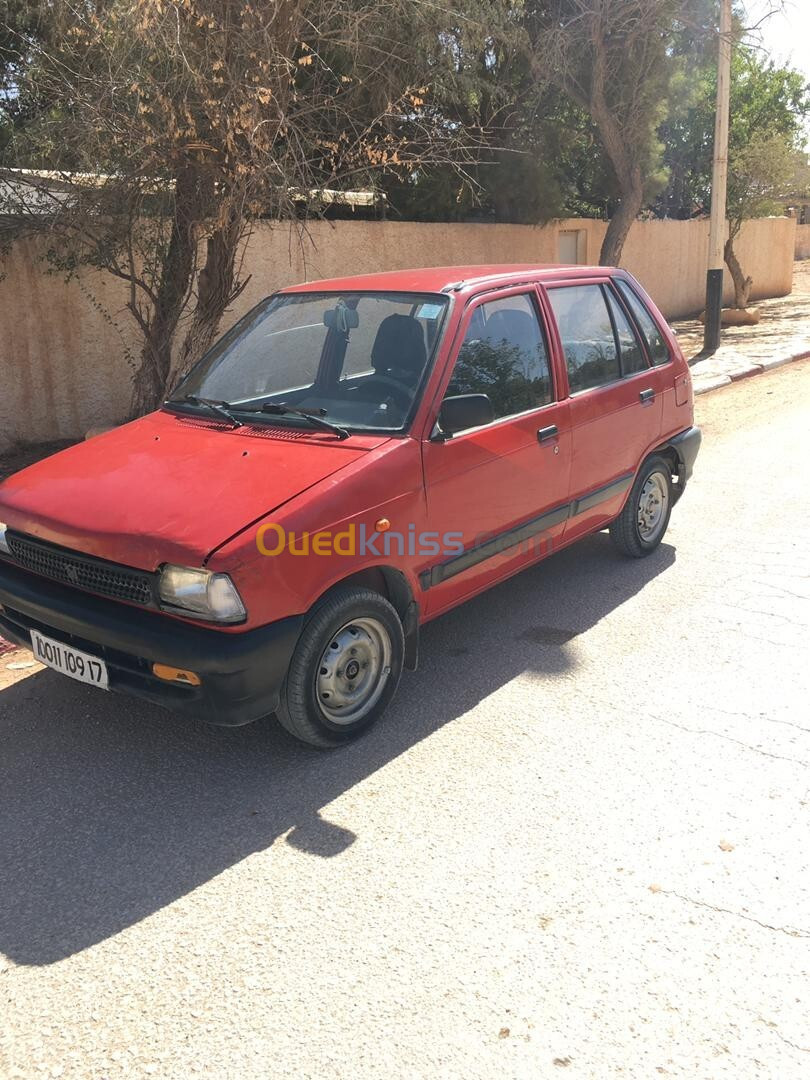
<point x="516" y="327"/>
<point x="399" y="346"/>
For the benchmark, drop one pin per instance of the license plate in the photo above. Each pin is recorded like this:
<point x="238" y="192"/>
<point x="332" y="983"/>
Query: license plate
<point x="73" y="662"/>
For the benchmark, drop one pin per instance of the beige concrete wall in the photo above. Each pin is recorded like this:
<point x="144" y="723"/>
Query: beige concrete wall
<point x="803" y="241"/>
<point x="669" y="258"/>
<point x="63" y="350"/>
<point x="67" y="348"/>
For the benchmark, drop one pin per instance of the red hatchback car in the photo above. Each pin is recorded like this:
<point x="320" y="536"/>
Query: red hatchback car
<point x="352" y="459"/>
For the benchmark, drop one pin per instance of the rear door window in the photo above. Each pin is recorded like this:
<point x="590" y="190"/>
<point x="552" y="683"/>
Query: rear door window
<point x="656" y="343"/>
<point x="586" y="332"/>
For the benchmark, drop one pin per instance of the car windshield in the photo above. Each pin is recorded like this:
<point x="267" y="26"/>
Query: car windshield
<point x="357" y="359"/>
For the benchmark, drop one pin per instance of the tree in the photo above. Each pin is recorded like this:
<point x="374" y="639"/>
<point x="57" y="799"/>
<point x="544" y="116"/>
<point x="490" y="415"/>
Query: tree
<point x="764" y="98"/>
<point x="614" y="59"/>
<point x="768" y="106"/>
<point x="759" y="174"/>
<point x="176" y="123"/>
<point x="21" y="23"/>
<point x="509" y="180"/>
<point x="541" y="158"/>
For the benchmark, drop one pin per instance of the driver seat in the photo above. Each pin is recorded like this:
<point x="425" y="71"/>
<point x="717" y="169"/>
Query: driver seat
<point x="399" y="349"/>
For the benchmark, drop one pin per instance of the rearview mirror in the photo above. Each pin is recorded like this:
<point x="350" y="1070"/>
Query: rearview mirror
<point x="341" y="318"/>
<point x="463" y="411"/>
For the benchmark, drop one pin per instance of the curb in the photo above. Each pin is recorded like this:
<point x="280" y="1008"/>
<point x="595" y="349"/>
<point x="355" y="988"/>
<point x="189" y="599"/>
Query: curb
<point x="708" y="384"/>
<point x="704" y="384"/>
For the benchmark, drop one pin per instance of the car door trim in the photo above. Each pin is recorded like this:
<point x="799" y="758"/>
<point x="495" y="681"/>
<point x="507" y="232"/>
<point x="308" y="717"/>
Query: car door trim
<point x="601" y="494"/>
<point x="509" y="538"/>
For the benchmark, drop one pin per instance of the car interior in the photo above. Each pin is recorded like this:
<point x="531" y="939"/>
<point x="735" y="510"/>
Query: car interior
<point x="383" y="394"/>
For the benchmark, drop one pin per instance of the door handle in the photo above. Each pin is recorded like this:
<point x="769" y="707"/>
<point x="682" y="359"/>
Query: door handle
<point x="646" y="396"/>
<point x="546" y="433"/>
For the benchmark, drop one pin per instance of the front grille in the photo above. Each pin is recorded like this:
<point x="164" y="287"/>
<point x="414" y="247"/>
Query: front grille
<point x="81" y="571"/>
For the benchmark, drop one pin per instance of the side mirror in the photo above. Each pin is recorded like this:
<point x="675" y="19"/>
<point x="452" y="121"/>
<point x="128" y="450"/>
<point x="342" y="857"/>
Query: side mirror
<point x="463" y="411"/>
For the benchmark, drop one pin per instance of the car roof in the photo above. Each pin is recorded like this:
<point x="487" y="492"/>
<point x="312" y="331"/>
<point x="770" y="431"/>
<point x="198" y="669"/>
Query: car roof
<point x="434" y="279"/>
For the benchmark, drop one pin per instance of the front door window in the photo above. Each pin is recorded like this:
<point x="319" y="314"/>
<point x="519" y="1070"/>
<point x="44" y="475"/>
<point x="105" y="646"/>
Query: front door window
<point x="504" y="356"/>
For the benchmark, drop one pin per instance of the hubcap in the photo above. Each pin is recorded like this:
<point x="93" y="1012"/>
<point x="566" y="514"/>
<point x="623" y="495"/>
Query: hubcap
<point x="353" y="670"/>
<point x="652" y="506"/>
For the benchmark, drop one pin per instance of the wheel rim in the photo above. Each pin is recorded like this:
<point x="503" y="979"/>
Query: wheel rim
<point x="353" y="670"/>
<point x="652" y="506"/>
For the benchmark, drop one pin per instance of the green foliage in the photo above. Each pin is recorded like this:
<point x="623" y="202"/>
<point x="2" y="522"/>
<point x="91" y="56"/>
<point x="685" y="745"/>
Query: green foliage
<point x="616" y="60"/>
<point x="21" y="23"/>
<point x="539" y="156"/>
<point x="761" y="175"/>
<point x="766" y="101"/>
<point x="508" y="186"/>
<point x="532" y="109"/>
<point x="545" y="154"/>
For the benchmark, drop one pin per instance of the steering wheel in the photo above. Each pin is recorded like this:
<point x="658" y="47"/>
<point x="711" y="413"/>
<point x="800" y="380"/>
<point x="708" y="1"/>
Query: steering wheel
<point x="399" y="390"/>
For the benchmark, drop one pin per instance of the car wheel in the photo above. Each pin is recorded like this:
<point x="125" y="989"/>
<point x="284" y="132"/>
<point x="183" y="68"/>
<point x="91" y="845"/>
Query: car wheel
<point x="345" y="668"/>
<point x="640" y="527"/>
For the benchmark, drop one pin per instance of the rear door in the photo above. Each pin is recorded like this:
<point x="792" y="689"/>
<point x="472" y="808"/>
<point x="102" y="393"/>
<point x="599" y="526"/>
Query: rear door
<point x="676" y="386"/>
<point x="497" y="495"/>
<point x="615" y="398"/>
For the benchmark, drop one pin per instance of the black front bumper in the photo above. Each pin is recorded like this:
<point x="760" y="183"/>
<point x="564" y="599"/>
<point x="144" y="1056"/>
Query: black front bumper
<point x="241" y="673"/>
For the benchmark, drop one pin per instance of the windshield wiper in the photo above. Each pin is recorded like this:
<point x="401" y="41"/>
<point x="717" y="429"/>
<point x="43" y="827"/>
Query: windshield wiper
<point x="314" y="416"/>
<point x="219" y="408"/>
<point x="222" y="408"/>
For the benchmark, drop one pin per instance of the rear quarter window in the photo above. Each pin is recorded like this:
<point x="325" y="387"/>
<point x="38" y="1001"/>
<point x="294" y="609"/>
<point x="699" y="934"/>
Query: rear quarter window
<point x="631" y="353"/>
<point x="656" y="343"/>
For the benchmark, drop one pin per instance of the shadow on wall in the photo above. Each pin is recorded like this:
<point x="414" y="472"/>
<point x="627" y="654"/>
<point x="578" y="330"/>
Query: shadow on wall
<point x="113" y="809"/>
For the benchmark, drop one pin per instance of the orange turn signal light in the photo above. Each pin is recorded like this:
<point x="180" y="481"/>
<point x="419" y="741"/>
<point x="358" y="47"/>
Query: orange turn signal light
<point x="175" y="674"/>
<point x="382" y="525"/>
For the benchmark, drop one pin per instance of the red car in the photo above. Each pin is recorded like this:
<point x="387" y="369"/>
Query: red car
<point x="352" y="459"/>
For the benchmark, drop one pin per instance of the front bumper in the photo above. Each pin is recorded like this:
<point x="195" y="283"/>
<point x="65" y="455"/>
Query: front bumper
<point x="241" y="673"/>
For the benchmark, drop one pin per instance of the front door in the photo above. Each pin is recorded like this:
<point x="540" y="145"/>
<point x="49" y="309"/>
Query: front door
<point x="497" y="494"/>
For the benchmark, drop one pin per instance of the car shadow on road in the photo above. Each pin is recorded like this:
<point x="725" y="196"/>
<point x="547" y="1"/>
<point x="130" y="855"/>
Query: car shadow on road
<point x="112" y="809"/>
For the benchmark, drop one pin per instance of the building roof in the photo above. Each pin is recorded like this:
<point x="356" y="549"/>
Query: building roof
<point x="44" y="188"/>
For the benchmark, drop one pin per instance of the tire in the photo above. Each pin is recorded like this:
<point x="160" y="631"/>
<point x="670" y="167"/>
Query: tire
<point x="326" y="699"/>
<point x="640" y="527"/>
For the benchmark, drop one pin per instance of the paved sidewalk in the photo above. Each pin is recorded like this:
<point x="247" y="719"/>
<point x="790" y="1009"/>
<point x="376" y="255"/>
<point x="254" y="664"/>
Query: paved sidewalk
<point x="782" y="335"/>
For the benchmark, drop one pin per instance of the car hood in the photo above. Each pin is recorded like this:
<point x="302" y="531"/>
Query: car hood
<point x="168" y="488"/>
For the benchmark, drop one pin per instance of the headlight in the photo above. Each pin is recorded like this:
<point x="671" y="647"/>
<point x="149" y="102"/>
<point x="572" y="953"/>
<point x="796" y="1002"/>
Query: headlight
<point x="200" y="593"/>
<point x="3" y="542"/>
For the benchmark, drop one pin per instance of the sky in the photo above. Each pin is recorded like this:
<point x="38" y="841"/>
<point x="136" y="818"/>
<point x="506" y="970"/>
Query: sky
<point x="785" y="34"/>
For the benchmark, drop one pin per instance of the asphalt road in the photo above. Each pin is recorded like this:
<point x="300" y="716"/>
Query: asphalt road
<point x="578" y="845"/>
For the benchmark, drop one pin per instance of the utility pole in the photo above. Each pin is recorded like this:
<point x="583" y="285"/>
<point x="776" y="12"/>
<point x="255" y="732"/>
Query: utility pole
<point x="717" y="226"/>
